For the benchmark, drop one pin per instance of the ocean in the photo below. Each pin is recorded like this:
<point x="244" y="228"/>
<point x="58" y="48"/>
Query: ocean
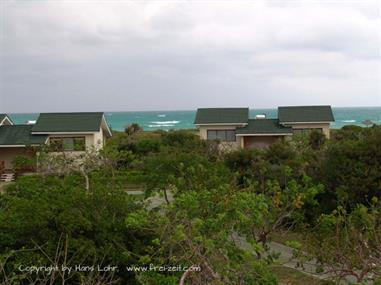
<point x="166" y="120"/>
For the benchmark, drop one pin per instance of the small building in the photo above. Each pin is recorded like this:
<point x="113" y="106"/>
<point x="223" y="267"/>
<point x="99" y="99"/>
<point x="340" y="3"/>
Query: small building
<point x="72" y="133"/>
<point x="234" y="129"/>
<point x="306" y="118"/>
<point x="221" y="124"/>
<point x="17" y="140"/>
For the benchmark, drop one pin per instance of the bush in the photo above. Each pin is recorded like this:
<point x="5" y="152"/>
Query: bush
<point x="146" y="146"/>
<point x="316" y="139"/>
<point x="23" y="163"/>
<point x="180" y="138"/>
<point x="351" y="168"/>
<point x="43" y="215"/>
<point x="132" y="129"/>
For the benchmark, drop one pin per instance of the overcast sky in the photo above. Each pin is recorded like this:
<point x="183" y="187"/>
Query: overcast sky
<point x="171" y="55"/>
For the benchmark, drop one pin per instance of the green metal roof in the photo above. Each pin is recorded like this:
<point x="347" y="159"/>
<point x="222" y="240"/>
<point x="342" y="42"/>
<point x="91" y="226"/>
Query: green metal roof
<point x="20" y="135"/>
<point x="222" y="116"/>
<point x="263" y="127"/>
<point x="68" y="122"/>
<point x="301" y="114"/>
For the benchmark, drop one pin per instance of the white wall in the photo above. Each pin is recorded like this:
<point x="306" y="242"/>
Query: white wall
<point x="99" y="139"/>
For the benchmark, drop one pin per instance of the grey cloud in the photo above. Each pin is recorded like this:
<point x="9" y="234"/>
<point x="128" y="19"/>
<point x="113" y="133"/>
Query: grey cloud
<point x="179" y="55"/>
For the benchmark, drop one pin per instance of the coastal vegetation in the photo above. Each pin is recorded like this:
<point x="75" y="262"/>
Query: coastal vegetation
<point x="200" y="216"/>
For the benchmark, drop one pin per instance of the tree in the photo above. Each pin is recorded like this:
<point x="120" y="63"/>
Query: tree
<point x="132" y="129"/>
<point x="351" y="169"/>
<point x="47" y="220"/>
<point x="196" y="230"/>
<point x="65" y="164"/>
<point x="349" y="243"/>
<point x="316" y="139"/>
<point x="282" y="207"/>
<point x="182" y="172"/>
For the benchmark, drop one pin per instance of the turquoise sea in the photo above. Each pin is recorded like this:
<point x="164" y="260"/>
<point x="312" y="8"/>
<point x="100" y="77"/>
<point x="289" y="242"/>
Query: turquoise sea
<point x="167" y="120"/>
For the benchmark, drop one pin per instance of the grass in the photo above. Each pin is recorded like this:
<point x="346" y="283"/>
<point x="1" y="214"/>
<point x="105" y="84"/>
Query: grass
<point x="289" y="276"/>
<point x="3" y="185"/>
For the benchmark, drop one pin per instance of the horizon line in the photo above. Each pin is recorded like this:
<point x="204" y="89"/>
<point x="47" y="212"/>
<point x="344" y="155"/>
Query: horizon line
<point x="178" y="110"/>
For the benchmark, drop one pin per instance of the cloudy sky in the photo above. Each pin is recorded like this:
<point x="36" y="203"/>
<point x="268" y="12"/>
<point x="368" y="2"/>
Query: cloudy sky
<point x="164" y="55"/>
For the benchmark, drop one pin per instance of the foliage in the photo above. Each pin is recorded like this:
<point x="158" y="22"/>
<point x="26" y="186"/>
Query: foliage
<point x="132" y="129"/>
<point x="188" y="141"/>
<point x="316" y="139"/>
<point x="221" y="213"/>
<point x="23" y="162"/>
<point x="183" y="171"/>
<point x="349" y="243"/>
<point x="285" y="207"/>
<point x="351" y="168"/>
<point x="197" y="229"/>
<point x="39" y="213"/>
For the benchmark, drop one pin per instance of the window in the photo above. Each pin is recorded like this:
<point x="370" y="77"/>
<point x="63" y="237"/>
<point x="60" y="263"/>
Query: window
<point x="68" y="144"/>
<point x="222" y="135"/>
<point x="307" y="130"/>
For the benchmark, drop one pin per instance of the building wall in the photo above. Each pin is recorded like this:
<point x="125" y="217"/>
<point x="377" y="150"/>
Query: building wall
<point x="99" y="139"/>
<point x="224" y="145"/>
<point x="259" y="141"/>
<point x="91" y="140"/>
<point x="323" y="126"/>
<point x="95" y="140"/>
<point x="7" y="154"/>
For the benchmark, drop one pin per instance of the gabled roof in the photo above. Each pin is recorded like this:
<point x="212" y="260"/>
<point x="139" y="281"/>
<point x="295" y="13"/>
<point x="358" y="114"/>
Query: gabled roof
<point x="221" y="116"/>
<point x="69" y="122"/>
<point x="264" y="127"/>
<point x="19" y="135"/>
<point x="5" y="117"/>
<point x="305" y="114"/>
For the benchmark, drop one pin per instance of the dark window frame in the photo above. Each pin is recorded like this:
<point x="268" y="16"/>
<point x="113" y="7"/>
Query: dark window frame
<point x="76" y="144"/>
<point x="223" y="137"/>
<point x="307" y="130"/>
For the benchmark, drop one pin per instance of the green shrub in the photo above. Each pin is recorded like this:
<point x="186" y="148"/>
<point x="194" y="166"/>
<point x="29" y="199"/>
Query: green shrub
<point x="41" y="215"/>
<point x="22" y="162"/>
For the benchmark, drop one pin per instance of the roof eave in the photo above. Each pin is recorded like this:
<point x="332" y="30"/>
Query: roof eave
<point x="8" y="119"/>
<point x="63" y="133"/>
<point x="20" y="145"/>
<point x="269" y="134"/>
<point x="310" y="122"/>
<point x="12" y="145"/>
<point x="107" y="126"/>
<point x="220" y="124"/>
